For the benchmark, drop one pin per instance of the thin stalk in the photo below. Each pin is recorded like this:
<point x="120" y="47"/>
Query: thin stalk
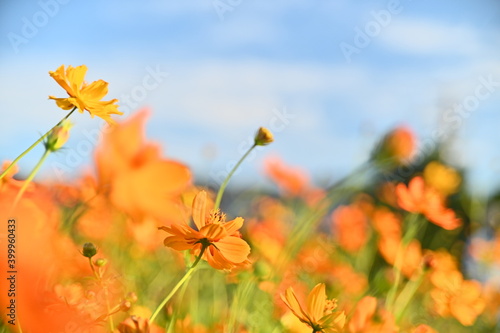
<point x="30" y="177"/>
<point x="34" y="144"/>
<point x="226" y="181"/>
<point x="178" y="285"/>
<point x="406" y="295"/>
<point x="413" y="227"/>
<point x="98" y="277"/>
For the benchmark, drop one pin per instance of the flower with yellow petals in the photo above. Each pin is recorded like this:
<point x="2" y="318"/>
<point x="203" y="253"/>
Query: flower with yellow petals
<point x="84" y="96"/>
<point x="319" y="314"/>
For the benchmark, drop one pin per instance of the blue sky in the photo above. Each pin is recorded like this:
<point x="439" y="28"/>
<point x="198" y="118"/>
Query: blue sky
<point x="224" y="74"/>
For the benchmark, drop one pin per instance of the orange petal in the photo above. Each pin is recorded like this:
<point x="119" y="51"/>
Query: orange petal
<point x="214" y="232"/>
<point x="178" y="243"/>
<point x="96" y="90"/>
<point x="216" y="260"/>
<point x="405" y="199"/>
<point x="234" y="225"/>
<point x="234" y="249"/>
<point x="63" y="103"/>
<point x="463" y="313"/>
<point x="316" y="302"/>
<point x="293" y="304"/>
<point x="365" y="310"/>
<point x="445" y="219"/>
<point x="199" y="209"/>
<point x="75" y="76"/>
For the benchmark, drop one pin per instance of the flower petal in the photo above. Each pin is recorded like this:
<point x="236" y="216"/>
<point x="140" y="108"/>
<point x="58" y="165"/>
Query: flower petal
<point x="75" y="76"/>
<point x="293" y="304"/>
<point x="234" y="249"/>
<point x="199" y="209"/>
<point x="234" y="225"/>
<point x="64" y="103"/>
<point x="95" y="91"/>
<point x="316" y="302"/>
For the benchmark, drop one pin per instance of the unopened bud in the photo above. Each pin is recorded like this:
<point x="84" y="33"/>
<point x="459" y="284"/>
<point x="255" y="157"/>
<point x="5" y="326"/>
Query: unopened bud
<point x="125" y="306"/>
<point x="395" y="148"/>
<point x="134" y="324"/>
<point x="131" y="296"/>
<point x="89" y="250"/>
<point x="58" y="136"/>
<point x="101" y="262"/>
<point x="263" y="137"/>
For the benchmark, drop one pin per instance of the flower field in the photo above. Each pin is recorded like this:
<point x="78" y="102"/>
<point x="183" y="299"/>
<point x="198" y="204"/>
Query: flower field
<point x="139" y="245"/>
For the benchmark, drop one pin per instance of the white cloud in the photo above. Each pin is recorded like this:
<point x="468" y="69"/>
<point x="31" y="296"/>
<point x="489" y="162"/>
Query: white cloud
<point x="422" y="37"/>
<point x="238" y="94"/>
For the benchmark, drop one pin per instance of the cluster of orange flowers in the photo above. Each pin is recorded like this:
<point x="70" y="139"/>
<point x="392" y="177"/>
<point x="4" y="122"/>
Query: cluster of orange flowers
<point x="101" y="253"/>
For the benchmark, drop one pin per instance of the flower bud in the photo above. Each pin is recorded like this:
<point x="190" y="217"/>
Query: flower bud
<point x="58" y="136"/>
<point x="125" y="306"/>
<point x="396" y="147"/>
<point x="101" y="262"/>
<point x="134" y="324"/>
<point x="89" y="250"/>
<point x="131" y="297"/>
<point x="263" y="137"/>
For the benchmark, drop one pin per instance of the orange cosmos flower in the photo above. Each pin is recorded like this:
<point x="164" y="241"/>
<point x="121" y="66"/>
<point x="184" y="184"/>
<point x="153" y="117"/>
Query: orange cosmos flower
<point x="363" y="314"/>
<point x="350" y="226"/>
<point x="139" y="180"/>
<point x="453" y="296"/>
<point x="82" y="95"/>
<point x="366" y="318"/>
<point x="419" y="198"/>
<point x="397" y="146"/>
<point x="224" y="248"/>
<point x="319" y="314"/>
<point x="134" y="324"/>
<point x="293" y="181"/>
<point x="424" y="329"/>
<point x="412" y="254"/>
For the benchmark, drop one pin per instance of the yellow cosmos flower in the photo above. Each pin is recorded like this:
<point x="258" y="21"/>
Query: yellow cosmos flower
<point x="319" y="314"/>
<point x="82" y="95"/>
<point x="444" y="179"/>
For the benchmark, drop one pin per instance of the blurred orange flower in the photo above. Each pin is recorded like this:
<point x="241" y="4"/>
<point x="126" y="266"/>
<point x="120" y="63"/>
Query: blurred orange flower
<point x="134" y="324"/>
<point x="350" y="227"/>
<point x="424" y="329"/>
<point x="453" y="296"/>
<point x="44" y="256"/>
<point x="348" y="281"/>
<point x="138" y="180"/>
<point x="387" y="223"/>
<point x="412" y="254"/>
<point x="293" y="181"/>
<point x="8" y="183"/>
<point x="366" y="319"/>
<point x="82" y="95"/>
<point x="396" y="146"/>
<point x="419" y="198"/>
<point x="224" y="247"/>
<point x="363" y="314"/>
<point x="319" y="314"/>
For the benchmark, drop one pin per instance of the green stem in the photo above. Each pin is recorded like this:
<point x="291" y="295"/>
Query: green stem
<point x="30" y="177"/>
<point x="224" y="184"/>
<point x="34" y="144"/>
<point x="406" y="295"/>
<point x="186" y="276"/>
<point x="413" y="227"/>
<point x="93" y="269"/>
